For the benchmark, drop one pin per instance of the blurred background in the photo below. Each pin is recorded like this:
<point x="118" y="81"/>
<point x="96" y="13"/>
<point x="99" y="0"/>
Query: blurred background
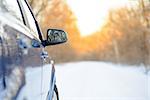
<point x="107" y="56"/>
<point x="98" y="30"/>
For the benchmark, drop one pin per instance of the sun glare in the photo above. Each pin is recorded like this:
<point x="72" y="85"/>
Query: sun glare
<point x="91" y="14"/>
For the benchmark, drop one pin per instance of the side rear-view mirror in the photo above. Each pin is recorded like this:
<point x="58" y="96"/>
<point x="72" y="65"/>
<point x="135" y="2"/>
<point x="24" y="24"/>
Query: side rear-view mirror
<point x="55" y="36"/>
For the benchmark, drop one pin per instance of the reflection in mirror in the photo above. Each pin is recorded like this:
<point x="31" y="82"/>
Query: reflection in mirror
<point x="55" y="36"/>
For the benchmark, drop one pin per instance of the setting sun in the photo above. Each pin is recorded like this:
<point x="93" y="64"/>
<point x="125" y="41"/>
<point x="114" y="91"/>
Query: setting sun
<point x="91" y="14"/>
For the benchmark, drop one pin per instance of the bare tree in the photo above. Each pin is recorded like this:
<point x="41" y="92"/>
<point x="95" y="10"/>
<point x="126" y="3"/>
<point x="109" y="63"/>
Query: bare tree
<point x="114" y="40"/>
<point x="39" y="6"/>
<point x="145" y="9"/>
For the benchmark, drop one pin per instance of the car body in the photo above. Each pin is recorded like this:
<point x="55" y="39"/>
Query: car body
<point x="22" y="50"/>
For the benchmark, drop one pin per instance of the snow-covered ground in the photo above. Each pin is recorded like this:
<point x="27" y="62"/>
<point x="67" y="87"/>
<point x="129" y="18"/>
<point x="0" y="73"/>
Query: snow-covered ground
<point x="102" y="81"/>
<point x="89" y="81"/>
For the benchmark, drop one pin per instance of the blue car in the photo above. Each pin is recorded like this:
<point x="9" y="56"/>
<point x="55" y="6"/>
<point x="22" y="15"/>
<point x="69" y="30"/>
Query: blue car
<point x="26" y="70"/>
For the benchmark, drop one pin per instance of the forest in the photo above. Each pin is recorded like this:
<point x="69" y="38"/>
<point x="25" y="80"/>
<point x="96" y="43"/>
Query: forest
<point x="123" y="39"/>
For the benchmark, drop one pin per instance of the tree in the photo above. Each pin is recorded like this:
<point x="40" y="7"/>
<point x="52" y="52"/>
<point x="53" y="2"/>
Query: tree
<point x="145" y="8"/>
<point x="125" y="28"/>
<point x="38" y="7"/>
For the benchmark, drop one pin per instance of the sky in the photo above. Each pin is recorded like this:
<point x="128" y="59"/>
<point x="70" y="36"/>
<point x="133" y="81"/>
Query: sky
<point x="91" y="14"/>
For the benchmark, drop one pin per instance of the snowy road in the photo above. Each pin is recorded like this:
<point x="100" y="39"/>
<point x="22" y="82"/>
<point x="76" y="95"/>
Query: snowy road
<point x="102" y="81"/>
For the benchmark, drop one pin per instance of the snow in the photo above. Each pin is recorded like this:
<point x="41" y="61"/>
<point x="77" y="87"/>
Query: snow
<point x="89" y="81"/>
<point x="102" y="81"/>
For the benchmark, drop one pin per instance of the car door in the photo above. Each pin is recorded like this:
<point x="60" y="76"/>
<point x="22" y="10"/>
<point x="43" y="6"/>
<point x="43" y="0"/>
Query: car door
<point x="31" y="61"/>
<point x="20" y="20"/>
<point x="25" y="72"/>
<point x="14" y="45"/>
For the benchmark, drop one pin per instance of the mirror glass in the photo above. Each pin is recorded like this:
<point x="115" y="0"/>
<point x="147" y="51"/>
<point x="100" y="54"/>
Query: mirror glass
<point x="55" y="36"/>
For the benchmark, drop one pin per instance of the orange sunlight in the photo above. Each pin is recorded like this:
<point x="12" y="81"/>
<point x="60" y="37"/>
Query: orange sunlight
<point x="91" y="14"/>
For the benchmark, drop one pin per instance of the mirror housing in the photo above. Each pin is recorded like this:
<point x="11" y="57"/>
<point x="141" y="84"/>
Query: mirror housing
<point x="55" y="36"/>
